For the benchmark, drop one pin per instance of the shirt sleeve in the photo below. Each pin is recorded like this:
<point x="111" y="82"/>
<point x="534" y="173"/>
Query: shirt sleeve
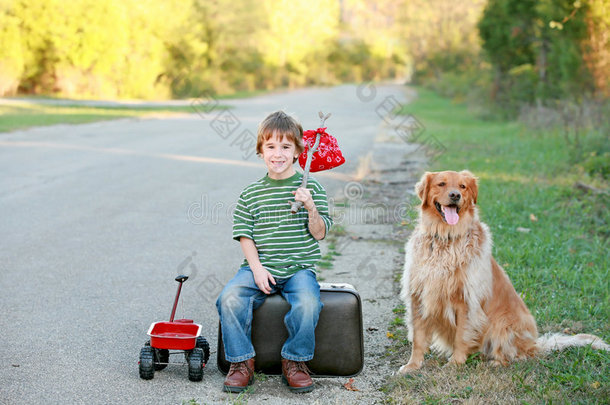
<point x="243" y="222"/>
<point x="321" y="201"/>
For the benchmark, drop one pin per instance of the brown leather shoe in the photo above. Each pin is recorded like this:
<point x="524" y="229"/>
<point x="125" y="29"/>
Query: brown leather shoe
<point x="240" y="375"/>
<point x="296" y="375"/>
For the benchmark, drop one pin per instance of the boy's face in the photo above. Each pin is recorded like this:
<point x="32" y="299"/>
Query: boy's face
<point x="279" y="154"/>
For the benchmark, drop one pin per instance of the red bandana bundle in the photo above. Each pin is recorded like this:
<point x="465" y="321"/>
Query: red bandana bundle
<point x="328" y="154"/>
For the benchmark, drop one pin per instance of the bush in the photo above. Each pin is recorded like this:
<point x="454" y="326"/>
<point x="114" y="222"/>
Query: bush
<point x="584" y="127"/>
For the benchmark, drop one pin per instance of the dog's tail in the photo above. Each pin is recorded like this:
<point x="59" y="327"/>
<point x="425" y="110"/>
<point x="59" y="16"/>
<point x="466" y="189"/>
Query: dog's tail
<point x="557" y="341"/>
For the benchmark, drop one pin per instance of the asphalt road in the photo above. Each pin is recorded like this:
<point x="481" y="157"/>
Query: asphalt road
<point x="96" y="220"/>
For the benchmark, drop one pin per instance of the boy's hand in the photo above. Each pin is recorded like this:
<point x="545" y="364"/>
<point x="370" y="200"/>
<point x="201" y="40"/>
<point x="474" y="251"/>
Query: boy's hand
<point x="262" y="277"/>
<point x="303" y="195"/>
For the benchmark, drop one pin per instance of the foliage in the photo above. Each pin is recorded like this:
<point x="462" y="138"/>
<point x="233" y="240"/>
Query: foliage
<point x="11" y="53"/>
<point x="441" y="37"/>
<point x="213" y="49"/>
<point x="540" y="50"/>
<point x="503" y="53"/>
<point x="507" y="30"/>
<point x="106" y="48"/>
<point x="165" y="48"/>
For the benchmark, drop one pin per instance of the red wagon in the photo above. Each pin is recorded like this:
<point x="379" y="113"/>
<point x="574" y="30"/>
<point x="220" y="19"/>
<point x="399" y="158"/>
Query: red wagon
<point x="182" y="336"/>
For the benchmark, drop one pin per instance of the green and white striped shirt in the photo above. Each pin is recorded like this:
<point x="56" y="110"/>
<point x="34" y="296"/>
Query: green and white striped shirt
<point x="284" y="243"/>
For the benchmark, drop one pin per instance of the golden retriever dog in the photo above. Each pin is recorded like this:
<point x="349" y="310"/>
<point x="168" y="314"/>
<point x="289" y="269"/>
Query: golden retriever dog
<point x="458" y="300"/>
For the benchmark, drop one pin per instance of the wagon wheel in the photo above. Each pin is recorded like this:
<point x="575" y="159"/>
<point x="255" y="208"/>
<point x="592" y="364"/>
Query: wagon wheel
<point x="161" y="356"/>
<point x="147" y="363"/>
<point x="205" y="346"/>
<point x="195" y="360"/>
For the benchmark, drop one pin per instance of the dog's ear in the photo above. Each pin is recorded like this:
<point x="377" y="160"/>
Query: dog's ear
<point x="473" y="184"/>
<point x="423" y="186"/>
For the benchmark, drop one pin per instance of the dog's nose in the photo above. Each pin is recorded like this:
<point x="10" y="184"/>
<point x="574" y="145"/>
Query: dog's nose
<point x="455" y="196"/>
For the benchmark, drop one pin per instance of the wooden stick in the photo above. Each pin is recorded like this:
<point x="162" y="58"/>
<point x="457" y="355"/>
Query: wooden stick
<point x="295" y="206"/>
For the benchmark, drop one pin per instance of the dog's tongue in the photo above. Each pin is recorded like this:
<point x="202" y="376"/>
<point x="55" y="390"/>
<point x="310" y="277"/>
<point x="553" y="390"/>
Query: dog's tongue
<point x="451" y="215"/>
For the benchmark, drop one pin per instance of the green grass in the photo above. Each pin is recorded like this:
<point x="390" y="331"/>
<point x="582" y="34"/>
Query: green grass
<point x="560" y="266"/>
<point x="18" y="115"/>
<point x="25" y="115"/>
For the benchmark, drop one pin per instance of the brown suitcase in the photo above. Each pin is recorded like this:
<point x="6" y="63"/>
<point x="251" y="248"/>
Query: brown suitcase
<point x="339" y="340"/>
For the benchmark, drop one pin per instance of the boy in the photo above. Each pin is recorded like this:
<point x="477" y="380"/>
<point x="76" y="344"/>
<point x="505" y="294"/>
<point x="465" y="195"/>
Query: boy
<point x="280" y="251"/>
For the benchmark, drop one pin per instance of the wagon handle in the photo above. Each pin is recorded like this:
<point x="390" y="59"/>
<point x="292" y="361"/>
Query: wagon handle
<point x="180" y="280"/>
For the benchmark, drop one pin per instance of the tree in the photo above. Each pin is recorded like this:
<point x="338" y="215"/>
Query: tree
<point x="596" y="45"/>
<point x="442" y="36"/>
<point x="372" y="37"/>
<point x="297" y="33"/>
<point x="535" y="48"/>
<point x="12" y="59"/>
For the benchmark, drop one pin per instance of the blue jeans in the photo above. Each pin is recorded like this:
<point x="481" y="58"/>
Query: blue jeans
<point x="241" y="296"/>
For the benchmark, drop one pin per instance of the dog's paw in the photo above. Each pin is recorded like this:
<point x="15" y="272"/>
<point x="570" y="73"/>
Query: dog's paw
<point x="498" y="362"/>
<point x="457" y="360"/>
<point x="408" y="368"/>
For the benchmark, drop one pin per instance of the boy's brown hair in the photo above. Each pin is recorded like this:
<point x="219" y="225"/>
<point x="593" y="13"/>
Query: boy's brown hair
<point x="281" y="124"/>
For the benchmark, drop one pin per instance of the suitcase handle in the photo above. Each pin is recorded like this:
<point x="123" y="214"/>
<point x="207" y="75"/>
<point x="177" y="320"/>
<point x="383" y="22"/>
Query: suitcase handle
<point x="343" y="286"/>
